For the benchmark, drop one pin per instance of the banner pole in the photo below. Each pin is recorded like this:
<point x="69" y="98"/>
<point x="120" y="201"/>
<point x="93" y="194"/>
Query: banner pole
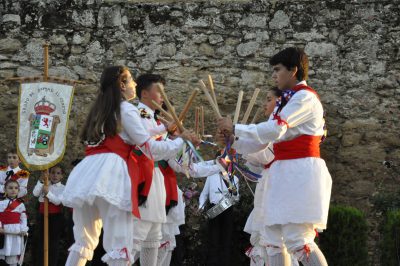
<point x="46" y="173"/>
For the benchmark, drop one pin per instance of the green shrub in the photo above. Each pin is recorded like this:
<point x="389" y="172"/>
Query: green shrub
<point x="344" y="242"/>
<point x="391" y="239"/>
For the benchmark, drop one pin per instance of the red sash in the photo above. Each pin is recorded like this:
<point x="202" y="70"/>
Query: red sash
<point x="53" y="209"/>
<point x="10" y="217"/>
<point x="305" y="87"/>
<point x="170" y="181"/>
<point x="300" y="147"/>
<point x="171" y="185"/>
<point x="118" y="146"/>
<point x="145" y="172"/>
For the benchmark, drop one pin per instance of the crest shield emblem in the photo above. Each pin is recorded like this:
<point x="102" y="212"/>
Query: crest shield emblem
<point x="43" y="115"/>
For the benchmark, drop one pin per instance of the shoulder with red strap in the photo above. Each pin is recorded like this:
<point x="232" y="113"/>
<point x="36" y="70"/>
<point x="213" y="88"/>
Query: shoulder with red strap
<point x="144" y="113"/>
<point x="3" y="168"/>
<point x="22" y="174"/>
<point x="301" y="87"/>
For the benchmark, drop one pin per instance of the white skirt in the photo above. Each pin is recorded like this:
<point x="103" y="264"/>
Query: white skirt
<point x="13" y="244"/>
<point x="101" y="175"/>
<point x="297" y="191"/>
<point x="255" y="221"/>
<point x="176" y="214"/>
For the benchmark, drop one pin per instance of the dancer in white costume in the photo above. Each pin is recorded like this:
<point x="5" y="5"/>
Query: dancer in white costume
<point x="298" y="201"/>
<point x="13" y="223"/>
<point x="260" y="162"/>
<point x="102" y="188"/>
<point x="155" y="231"/>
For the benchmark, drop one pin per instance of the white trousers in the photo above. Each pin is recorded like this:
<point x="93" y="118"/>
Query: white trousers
<point x="117" y="226"/>
<point x="294" y="236"/>
<point x="146" y="234"/>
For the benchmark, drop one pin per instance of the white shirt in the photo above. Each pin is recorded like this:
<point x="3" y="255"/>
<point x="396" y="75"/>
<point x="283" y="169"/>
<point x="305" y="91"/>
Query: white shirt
<point x="23" y="182"/>
<point x="54" y="194"/>
<point x="303" y="113"/>
<point x="214" y="189"/>
<point x="134" y="132"/>
<point x="150" y="123"/>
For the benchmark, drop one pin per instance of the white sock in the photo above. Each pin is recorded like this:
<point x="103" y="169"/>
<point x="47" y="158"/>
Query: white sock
<point x="315" y="258"/>
<point x="167" y="260"/>
<point x="257" y="261"/>
<point x="161" y="255"/>
<point x="74" y="259"/>
<point x="148" y="256"/>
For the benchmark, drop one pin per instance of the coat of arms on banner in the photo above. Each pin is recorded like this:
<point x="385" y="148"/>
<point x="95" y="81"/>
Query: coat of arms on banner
<point x="43" y="126"/>
<point x="43" y="115"/>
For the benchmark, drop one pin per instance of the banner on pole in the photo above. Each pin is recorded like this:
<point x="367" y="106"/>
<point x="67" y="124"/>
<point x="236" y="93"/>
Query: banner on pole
<point x="43" y="114"/>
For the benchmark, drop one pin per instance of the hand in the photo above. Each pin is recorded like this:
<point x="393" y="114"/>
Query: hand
<point x="171" y="128"/>
<point x="1" y="230"/>
<point x="225" y="126"/>
<point x="190" y="136"/>
<point x="221" y="138"/>
<point x="222" y="162"/>
<point x="23" y="233"/>
<point x="43" y="176"/>
<point x="45" y="189"/>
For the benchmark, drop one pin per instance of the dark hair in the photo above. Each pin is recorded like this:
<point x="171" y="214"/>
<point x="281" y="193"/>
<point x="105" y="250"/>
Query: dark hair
<point x="292" y="57"/>
<point x="12" y="151"/>
<point x="144" y="82"/>
<point x="105" y="114"/>
<point x="276" y="92"/>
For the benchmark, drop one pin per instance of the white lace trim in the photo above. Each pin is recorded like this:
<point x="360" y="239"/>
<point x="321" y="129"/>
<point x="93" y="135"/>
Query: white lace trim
<point x="82" y="251"/>
<point x="117" y="254"/>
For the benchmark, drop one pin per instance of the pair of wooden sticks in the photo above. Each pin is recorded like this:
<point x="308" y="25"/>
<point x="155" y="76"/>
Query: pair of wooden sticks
<point x="199" y="121"/>
<point x="170" y="115"/>
<point x="214" y="104"/>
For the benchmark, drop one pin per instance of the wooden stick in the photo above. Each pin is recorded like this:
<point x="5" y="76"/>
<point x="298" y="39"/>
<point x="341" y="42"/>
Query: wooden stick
<point x="258" y="112"/>
<point x="202" y="119"/>
<point x="238" y="105"/>
<point x="162" y="119"/>
<point x="159" y="107"/>
<point x="210" y="81"/>
<point x="250" y="107"/>
<point x="188" y="104"/>
<point x="196" y="121"/>
<point x="46" y="175"/>
<point x="46" y="61"/>
<point x="171" y="109"/>
<point x="46" y="221"/>
<point x="210" y="100"/>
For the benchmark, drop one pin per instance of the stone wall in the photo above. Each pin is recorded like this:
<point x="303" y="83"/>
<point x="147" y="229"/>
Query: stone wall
<point x="353" y="48"/>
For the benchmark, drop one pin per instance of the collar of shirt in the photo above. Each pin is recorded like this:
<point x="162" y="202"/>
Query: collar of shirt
<point x="15" y="170"/>
<point x="145" y="107"/>
<point x="303" y="82"/>
<point x="57" y="184"/>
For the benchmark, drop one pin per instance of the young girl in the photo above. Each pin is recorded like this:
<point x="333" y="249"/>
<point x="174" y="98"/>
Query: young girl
<point x="56" y="217"/>
<point x="103" y="187"/>
<point x="13" y="223"/>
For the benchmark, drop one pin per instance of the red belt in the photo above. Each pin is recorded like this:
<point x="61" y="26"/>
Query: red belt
<point x="52" y="208"/>
<point x="300" y="147"/>
<point x="10" y="217"/>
